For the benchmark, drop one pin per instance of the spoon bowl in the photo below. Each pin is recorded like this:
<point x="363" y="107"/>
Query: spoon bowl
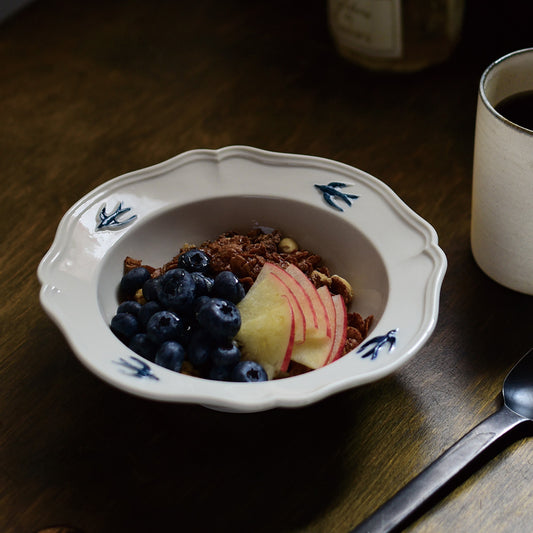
<point x="518" y="387"/>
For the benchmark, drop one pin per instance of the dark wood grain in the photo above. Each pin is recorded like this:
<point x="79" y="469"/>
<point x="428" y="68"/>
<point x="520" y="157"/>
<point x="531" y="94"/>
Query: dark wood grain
<point x="91" y="90"/>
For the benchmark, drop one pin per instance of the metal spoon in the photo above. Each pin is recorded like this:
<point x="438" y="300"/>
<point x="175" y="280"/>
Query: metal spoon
<point x="512" y="421"/>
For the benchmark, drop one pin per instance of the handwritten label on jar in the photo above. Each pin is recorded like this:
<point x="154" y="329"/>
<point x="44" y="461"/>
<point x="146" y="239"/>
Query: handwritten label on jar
<point x="372" y="27"/>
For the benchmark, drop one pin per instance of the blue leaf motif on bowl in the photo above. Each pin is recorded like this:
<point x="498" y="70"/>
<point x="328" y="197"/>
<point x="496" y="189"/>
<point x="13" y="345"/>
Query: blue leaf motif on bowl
<point x="375" y="344"/>
<point x="331" y="193"/>
<point x="137" y="368"/>
<point x="110" y="220"/>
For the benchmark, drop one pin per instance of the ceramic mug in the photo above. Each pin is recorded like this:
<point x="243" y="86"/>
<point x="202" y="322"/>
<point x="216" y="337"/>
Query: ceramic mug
<point x="502" y="189"/>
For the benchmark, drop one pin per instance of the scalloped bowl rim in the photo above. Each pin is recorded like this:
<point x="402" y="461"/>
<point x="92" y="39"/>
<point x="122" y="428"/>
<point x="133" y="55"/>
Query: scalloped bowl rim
<point x="403" y="249"/>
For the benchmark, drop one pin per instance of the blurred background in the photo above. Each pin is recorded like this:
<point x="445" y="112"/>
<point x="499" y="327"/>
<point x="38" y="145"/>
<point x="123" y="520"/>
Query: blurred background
<point x="136" y="89"/>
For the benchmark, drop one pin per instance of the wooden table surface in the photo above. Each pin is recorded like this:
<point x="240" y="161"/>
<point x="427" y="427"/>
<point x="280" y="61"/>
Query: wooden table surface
<point x="91" y="90"/>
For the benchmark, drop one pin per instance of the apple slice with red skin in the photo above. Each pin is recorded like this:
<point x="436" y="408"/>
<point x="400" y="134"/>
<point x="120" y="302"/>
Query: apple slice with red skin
<point x="320" y="327"/>
<point x="313" y="353"/>
<point x="267" y="334"/>
<point x="316" y="350"/>
<point x="341" y="323"/>
<point x="327" y="300"/>
<point x="329" y="306"/>
<point x="268" y="323"/>
<point x="296" y="295"/>
<point x="320" y="351"/>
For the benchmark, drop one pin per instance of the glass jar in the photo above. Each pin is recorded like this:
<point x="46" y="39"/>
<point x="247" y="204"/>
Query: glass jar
<point x="396" y="35"/>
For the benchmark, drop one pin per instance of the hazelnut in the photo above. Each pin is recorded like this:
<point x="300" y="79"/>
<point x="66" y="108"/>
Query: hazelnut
<point x="341" y="286"/>
<point x="287" y="245"/>
<point x="318" y="279"/>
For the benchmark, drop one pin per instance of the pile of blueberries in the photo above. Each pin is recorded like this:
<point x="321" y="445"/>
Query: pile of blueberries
<point x="190" y="315"/>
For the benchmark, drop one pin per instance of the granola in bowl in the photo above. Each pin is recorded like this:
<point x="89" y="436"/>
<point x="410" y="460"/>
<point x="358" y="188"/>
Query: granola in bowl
<point x="246" y="256"/>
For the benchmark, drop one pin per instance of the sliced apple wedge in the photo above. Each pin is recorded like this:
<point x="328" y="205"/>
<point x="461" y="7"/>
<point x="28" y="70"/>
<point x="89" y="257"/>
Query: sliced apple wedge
<point x="268" y="324"/>
<point x="283" y="284"/>
<point x="329" y="306"/>
<point x="341" y="322"/>
<point x="316" y="350"/>
<point x="313" y="353"/>
<point x="327" y="300"/>
<point x="268" y="338"/>
<point x="320" y="325"/>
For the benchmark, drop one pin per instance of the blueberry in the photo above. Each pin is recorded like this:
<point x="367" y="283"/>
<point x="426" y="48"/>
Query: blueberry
<point x="186" y="337"/>
<point x="198" y="302"/>
<point x="248" y="371"/>
<point x="199" y="348"/>
<point x="226" y="355"/>
<point x="124" y="326"/>
<point x="164" y="326"/>
<point x="203" y="284"/>
<point x="194" y="260"/>
<point x="176" y="290"/>
<point x="142" y="345"/>
<point x="147" y="310"/>
<point x="133" y="280"/>
<point x="220" y="318"/>
<point x="151" y="289"/>
<point x="170" y="355"/>
<point x="129" y="306"/>
<point x="228" y="287"/>
<point x="219" y="373"/>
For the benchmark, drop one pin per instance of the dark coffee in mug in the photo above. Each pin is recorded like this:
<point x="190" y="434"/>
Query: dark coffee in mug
<point x="518" y="108"/>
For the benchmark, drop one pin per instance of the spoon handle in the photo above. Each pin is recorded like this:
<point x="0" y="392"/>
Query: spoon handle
<point x="407" y="503"/>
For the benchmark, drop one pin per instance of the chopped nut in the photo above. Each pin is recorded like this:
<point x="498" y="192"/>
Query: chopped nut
<point x="319" y="279"/>
<point x="288" y="245"/>
<point x="341" y="286"/>
<point x="336" y="284"/>
<point x="130" y="264"/>
<point x="139" y="297"/>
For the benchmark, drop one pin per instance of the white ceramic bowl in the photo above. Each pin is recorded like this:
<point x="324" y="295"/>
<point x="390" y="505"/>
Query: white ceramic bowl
<point x="387" y="252"/>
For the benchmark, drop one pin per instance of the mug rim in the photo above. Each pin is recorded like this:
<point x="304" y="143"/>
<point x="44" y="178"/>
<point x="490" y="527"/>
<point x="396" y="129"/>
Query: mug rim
<point x="484" y="97"/>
